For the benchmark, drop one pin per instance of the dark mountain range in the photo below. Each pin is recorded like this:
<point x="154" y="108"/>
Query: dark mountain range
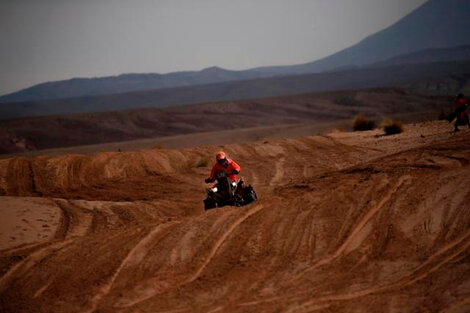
<point x="81" y="87"/>
<point x="399" y="75"/>
<point x="437" y="24"/>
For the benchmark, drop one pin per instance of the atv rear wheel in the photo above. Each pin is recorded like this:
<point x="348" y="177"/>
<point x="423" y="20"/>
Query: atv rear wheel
<point x="249" y="195"/>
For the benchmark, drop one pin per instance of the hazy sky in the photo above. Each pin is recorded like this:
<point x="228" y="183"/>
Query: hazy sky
<point x="47" y="40"/>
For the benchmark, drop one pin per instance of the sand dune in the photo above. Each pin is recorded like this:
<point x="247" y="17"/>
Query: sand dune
<point x="346" y="222"/>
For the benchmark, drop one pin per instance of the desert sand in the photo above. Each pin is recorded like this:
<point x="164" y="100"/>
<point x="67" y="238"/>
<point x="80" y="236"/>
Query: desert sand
<point x="345" y="222"/>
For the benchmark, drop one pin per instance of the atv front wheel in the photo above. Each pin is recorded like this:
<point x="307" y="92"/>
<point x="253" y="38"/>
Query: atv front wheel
<point x="209" y="204"/>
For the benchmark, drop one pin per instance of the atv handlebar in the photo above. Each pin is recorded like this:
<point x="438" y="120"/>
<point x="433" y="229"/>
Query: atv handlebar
<point x="220" y="174"/>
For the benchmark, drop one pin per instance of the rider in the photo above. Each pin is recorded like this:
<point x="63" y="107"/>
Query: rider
<point x="462" y="118"/>
<point x="224" y="163"/>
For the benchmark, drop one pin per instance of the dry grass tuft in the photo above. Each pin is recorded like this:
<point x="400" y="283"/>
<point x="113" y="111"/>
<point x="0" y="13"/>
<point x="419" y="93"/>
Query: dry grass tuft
<point x="361" y="123"/>
<point x="391" y="128"/>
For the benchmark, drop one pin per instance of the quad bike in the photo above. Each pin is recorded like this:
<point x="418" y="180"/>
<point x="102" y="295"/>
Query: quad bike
<point x="227" y="192"/>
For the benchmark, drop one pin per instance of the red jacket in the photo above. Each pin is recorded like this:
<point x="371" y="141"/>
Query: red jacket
<point x="458" y="103"/>
<point x="230" y="167"/>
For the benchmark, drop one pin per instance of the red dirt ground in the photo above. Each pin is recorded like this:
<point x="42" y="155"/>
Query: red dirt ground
<point x="346" y="222"/>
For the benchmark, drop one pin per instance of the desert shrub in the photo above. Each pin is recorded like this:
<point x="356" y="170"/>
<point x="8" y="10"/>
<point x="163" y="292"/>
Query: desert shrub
<point x="391" y="128"/>
<point x="202" y="162"/>
<point x="362" y="123"/>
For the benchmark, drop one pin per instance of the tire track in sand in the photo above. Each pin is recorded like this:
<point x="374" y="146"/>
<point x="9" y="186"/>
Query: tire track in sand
<point x="209" y="257"/>
<point x="23" y="248"/>
<point x="75" y="222"/>
<point x="40" y="291"/>
<point x="279" y="173"/>
<point x="221" y="240"/>
<point x="34" y="258"/>
<point x="135" y="256"/>
<point x="432" y="264"/>
<point x="417" y="275"/>
<point x="356" y="230"/>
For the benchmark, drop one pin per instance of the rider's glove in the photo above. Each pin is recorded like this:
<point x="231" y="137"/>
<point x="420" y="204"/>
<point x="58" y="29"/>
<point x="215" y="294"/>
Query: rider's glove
<point x="234" y="172"/>
<point x="209" y="180"/>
